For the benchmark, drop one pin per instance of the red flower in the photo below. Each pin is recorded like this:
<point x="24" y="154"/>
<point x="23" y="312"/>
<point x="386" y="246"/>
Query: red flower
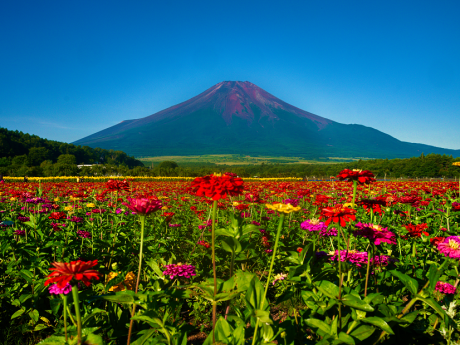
<point x="217" y="187"/>
<point x="299" y="250"/>
<point x="436" y="240"/>
<point x="64" y="272"/>
<point x="362" y="176"/>
<point x="338" y="214"/>
<point x="416" y="230"/>
<point x="117" y="186"/>
<point x="57" y="215"/>
<point x="143" y="206"/>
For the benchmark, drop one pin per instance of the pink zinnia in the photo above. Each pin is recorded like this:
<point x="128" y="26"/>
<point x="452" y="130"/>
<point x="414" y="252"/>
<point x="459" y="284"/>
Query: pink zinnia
<point x="56" y="290"/>
<point x="375" y="233"/>
<point x="313" y="225"/>
<point x="445" y="288"/>
<point x="450" y="247"/>
<point x="180" y="270"/>
<point x="143" y="206"/>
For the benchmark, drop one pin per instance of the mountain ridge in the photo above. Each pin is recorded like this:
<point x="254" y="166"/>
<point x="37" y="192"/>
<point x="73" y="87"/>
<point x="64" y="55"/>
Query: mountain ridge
<point x="240" y="117"/>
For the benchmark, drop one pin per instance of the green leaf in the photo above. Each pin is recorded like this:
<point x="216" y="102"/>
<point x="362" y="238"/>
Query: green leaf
<point x="120" y="297"/>
<point x="315" y="323"/>
<point x="356" y="303"/>
<point x="433" y="304"/>
<point x="409" y="318"/>
<point x="346" y="338"/>
<point x="94" y="312"/>
<point x="27" y="275"/>
<point x="93" y="339"/>
<point x="40" y="326"/>
<point x="329" y="289"/>
<point x="238" y="335"/>
<point x="147" y="334"/>
<point x="223" y="329"/>
<point x="376" y="321"/>
<point x="263" y="316"/>
<point x="53" y="340"/>
<point x="254" y="295"/>
<point x="410" y="283"/>
<point x="231" y="245"/>
<point x="363" y="332"/>
<point x="17" y="313"/>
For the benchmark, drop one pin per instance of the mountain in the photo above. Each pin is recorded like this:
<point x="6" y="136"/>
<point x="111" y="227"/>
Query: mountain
<point x="235" y="117"/>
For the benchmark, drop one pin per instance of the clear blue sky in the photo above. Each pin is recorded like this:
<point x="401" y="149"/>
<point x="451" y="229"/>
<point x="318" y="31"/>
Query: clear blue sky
<point x="71" y="68"/>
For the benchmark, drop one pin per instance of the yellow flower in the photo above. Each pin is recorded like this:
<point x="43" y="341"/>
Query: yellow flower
<point x="128" y="283"/>
<point x="90" y="205"/>
<point x="164" y="207"/>
<point x="56" y="199"/>
<point x="236" y="203"/>
<point x="68" y="208"/>
<point x="74" y="199"/>
<point x="12" y="198"/>
<point x="283" y="208"/>
<point x="347" y="204"/>
<point x="457" y="164"/>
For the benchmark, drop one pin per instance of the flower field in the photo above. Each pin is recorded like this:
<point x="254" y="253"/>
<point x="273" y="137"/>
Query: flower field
<point x="218" y="259"/>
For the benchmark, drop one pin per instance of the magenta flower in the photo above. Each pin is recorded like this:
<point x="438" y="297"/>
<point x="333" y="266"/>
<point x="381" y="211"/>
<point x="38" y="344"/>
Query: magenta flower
<point x="375" y="233"/>
<point x="84" y="234"/>
<point x="179" y="270"/>
<point x="144" y="206"/>
<point x="450" y="247"/>
<point x="313" y="225"/>
<point x="328" y="232"/>
<point x="54" y="289"/>
<point x="445" y="288"/>
<point x="352" y="256"/>
<point x="20" y="232"/>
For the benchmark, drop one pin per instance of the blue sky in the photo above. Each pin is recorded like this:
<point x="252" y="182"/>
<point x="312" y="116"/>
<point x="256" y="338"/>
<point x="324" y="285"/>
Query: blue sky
<point x="71" y="68"/>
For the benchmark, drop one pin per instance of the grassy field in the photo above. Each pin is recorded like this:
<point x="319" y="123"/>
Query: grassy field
<point x="233" y="159"/>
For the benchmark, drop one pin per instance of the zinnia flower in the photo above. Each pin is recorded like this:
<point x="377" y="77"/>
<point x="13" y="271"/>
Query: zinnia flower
<point x="117" y="186"/>
<point x="143" y="206"/>
<point x="55" y="290"/>
<point x="280" y="276"/>
<point x="313" y="225"/>
<point x="445" y="288"/>
<point x="283" y="208"/>
<point x="361" y="176"/>
<point x="64" y="272"/>
<point x="450" y="247"/>
<point x="129" y="282"/>
<point x="375" y="233"/>
<point x="217" y="187"/>
<point x="179" y="270"/>
<point x="338" y="214"/>
<point x="57" y="215"/>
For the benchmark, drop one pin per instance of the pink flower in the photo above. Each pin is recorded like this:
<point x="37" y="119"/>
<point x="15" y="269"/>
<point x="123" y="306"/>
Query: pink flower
<point x="450" y="247"/>
<point x="54" y="289"/>
<point x="143" y="206"/>
<point x="375" y="233"/>
<point x="445" y="288"/>
<point x="180" y="270"/>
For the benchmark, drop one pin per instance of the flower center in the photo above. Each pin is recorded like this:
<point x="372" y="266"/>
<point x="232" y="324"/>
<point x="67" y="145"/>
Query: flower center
<point x="454" y="244"/>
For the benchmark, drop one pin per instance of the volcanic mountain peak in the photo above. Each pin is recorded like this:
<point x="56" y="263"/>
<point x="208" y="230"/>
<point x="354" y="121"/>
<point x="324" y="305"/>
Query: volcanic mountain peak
<point x="241" y="118"/>
<point x="233" y="98"/>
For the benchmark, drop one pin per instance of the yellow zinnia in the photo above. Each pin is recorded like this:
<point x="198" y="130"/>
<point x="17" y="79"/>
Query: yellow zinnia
<point x="283" y="208"/>
<point x="68" y="208"/>
<point x="128" y="283"/>
<point x="457" y="164"/>
<point x="90" y="205"/>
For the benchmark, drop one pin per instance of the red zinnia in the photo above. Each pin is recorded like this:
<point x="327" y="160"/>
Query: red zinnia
<point x="362" y="176"/>
<point x="217" y="187"/>
<point x="57" y="215"/>
<point x="64" y="272"/>
<point x="143" y="206"/>
<point x="115" y="185"/>
<point x="338" y="214"/>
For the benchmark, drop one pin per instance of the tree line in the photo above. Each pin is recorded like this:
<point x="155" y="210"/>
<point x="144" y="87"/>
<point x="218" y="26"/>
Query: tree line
<point x="25" y="154"/>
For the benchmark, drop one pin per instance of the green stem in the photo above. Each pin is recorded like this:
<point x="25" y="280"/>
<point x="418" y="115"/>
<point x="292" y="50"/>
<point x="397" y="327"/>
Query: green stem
<point x="355" y="187"/>
<point x="65" y="317"/>
<point x="76" y="302"/>
<point x="367" y="272"/>
<point x="214" y="305"/>
<point x="142" y="218"/>
<point x="278" y="232"/>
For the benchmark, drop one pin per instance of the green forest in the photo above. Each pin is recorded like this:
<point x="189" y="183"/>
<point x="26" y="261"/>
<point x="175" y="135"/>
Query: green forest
<point x="24" y="154"/>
